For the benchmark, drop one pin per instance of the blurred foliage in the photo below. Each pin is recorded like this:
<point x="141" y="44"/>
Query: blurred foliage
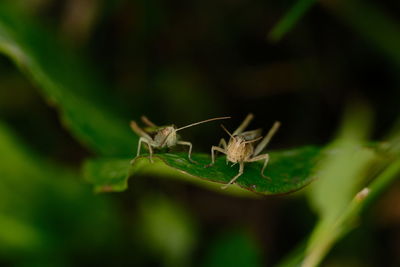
<point x="344" y="186"/>
<point x="168" y="230"/>
<point x="380" y="28"/>
<point x="233" y="248"/>
<point x="98" y="64"/>
<point x="342" y="175"/>
<point x="60" y="211"/>
<point x="67" y="82"/>
<point x="346" y="166"/>
<point x="290" y="19"/>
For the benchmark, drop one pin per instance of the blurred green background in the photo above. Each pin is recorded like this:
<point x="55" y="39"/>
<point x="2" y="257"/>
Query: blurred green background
<point x="71" y="67"/>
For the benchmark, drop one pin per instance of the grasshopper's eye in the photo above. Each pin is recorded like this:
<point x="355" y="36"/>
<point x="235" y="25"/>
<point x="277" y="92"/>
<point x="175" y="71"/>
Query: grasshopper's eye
<point x="166" y="131"/>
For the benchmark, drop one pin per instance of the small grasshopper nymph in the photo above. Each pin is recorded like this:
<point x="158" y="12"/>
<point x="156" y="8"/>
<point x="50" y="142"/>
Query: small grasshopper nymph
<point x="240" y="148"/>
<point x="163" y="136"/>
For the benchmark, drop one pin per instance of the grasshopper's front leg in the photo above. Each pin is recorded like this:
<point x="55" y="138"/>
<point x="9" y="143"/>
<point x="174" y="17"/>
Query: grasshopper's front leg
<point x="144" y="140"/>
<point x="213" y="148"/>
<point x="241" y="164"/>
<point x="222" y="143"/>
<point x="185" y="143"/>
<point x="264" y="157"/>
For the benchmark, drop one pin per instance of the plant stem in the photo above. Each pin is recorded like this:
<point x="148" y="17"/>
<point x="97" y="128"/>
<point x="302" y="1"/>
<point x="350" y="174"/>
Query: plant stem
<point x="327" y="234"/>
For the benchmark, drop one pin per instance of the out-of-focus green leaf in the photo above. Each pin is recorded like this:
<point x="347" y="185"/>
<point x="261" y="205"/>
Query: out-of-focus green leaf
<point x="342" y="175"/>
<point x="107" y="174"/>
<point x="68" y="83"/>
<point x="344" y="169"/>
<point x="287" y="170"/>
<point x="44" y="210"/>
<point x="231" y="249"/>
<point x="290" y="19"/>
<point x="328" y="232"/>
<point x="167" y="229"/>
<point x="343" y="172"/>
<point x="350" y="177"/>
<point x="17" y="235"/>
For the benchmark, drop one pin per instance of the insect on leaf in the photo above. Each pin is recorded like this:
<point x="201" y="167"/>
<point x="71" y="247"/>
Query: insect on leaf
<point x="288" y="170"/>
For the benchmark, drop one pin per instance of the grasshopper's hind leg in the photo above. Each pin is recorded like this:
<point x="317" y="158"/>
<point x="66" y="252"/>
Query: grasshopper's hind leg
<point x="148" y="122"/>
<point x="267" y="138"/>
<point x="244" y="124"/>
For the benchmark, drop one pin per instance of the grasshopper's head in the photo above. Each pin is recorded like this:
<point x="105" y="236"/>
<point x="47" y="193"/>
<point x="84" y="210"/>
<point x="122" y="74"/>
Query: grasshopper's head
<point x="237" y="142"/>
<point x="238" y="149"/>
<point x="238" y="139"/>
<point x="166" y="136"/>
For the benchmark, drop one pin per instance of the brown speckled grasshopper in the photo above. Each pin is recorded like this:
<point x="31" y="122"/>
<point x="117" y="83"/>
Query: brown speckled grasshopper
<point x="240" y="148"/>
<point x="163" y="136"/>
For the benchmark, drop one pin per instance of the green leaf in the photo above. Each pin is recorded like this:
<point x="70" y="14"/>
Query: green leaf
<point x="167" y="229"/>
<point x="343" y="173"/>
<point x="35" y="195"/>
<point x="107" y="174"/>
<point x="350" y="176"/>
<point x="287" y="170"/>
<point x="68" y="82"/>
<point x="290" y="19"/>
<point x="17" y="235"/>
<point x="344" y="170"/>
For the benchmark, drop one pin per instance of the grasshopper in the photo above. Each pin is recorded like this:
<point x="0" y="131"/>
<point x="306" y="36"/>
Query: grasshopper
<point x="163" y="136"/>
<point x="240" y="148"/>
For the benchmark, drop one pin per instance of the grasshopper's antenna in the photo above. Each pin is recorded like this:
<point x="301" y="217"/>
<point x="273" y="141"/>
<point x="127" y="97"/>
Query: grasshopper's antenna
<point x="200" y="122"/>
<point x="254" y="140"/>
<point x="223" y="127"/>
